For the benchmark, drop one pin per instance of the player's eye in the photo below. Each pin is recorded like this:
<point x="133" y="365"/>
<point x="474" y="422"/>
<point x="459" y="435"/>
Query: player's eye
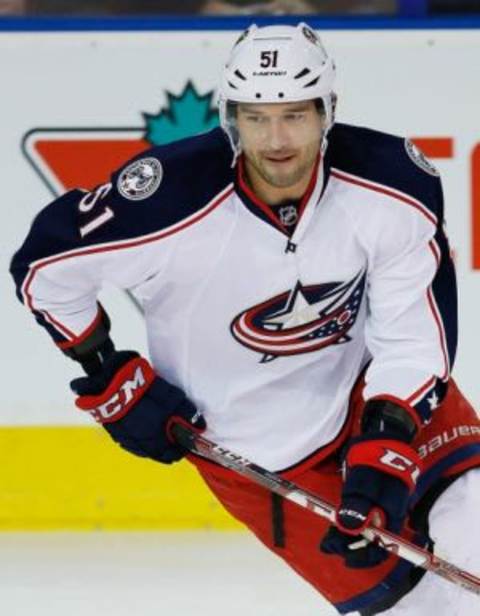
<point x="294" y="117"/>
<point x="254" y="119"/>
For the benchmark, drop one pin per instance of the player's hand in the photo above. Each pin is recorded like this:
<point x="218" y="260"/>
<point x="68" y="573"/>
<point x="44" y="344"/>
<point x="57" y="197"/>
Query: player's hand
<point x="136" y="406"/>
<point x="379" y="478"/>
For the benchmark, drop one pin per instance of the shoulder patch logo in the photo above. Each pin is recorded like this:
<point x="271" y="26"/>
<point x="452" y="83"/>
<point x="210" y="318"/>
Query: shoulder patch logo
<point x="419" y="158"/>
<point x="140" y="179"/>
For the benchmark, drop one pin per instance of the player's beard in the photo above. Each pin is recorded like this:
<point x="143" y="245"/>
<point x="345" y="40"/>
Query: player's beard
<point x="272" y="173"/>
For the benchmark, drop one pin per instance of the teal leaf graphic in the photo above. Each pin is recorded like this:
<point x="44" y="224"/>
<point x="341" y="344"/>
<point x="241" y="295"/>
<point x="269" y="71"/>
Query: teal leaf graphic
<point x="186" y="115"/>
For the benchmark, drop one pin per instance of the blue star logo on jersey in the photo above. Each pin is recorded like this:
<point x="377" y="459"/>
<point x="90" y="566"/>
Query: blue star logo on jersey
<point x="306" y="319"/>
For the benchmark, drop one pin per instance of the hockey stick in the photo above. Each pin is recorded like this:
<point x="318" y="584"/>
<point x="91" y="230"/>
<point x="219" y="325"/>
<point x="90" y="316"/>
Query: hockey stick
<point x="199" y="445"/>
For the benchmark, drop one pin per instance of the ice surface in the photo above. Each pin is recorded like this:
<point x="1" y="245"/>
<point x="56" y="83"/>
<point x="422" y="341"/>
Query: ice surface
<point x="148" y="574"/>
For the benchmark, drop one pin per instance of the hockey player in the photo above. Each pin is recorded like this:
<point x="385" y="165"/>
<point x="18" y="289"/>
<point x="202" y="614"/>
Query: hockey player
<point x="300" y="305"/>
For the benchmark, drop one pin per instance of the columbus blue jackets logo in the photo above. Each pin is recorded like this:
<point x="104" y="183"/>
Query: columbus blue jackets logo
<point x="140" y="179"/>
<point x="305" y="319"/>
<point x="419" y="158"/>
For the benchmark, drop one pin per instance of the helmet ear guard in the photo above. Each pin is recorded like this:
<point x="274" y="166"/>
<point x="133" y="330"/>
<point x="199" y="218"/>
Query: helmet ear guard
<point x="227" y="111"/>
<point x="276" y="64"/>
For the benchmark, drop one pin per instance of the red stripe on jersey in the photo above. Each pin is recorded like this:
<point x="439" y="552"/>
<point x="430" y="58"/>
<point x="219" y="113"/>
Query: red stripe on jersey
<point x="84" y="335"/>
<point x="63" y="328"/>
<point x="268" y="210"/>
<point x="146" y="239"/>
<point x="436" y="315"/>
<point x="390" y="192"/>
<point x="436" y="251"/>
<point x="433" y="246"/>
<point x="253" y="197"/>
<point x="436" y="312"/>
<point x="48" y="317"/>
<point x="421" y="391"/>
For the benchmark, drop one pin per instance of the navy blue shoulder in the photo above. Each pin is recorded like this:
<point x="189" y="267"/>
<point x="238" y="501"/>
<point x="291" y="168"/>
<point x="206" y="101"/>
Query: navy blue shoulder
<point x="156" y="189"/>
<point x="392" y="161"/>
<point x="166" y="184"/>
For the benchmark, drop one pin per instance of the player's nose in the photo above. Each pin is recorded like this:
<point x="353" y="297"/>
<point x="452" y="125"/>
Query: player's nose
<point x="277" y="135"/>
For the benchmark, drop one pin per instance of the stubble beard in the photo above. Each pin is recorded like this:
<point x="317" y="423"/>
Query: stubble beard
<point x="282" y="179"/>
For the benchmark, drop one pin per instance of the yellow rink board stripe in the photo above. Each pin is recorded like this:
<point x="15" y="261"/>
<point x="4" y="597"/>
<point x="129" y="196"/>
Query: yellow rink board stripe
<point x="70" y="477"/>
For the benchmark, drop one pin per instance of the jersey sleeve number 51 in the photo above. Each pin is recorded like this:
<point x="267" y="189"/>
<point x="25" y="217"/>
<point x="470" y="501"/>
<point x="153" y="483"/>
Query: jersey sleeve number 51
<point x="88" y="203"/>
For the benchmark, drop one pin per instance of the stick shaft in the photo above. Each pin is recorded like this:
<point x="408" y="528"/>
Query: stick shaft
<point x="199" y="445"/>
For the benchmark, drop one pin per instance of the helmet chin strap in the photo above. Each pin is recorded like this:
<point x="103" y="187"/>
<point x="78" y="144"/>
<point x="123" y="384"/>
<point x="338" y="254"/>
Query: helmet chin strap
<point x="236" y="148"/>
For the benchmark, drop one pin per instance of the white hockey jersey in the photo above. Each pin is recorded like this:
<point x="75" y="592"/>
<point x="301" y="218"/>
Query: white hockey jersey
<point x="265" y="331"/>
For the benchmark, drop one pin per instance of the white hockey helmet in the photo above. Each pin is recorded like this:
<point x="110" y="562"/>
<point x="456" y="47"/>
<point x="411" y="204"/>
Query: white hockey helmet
<point x="276" y="64"/>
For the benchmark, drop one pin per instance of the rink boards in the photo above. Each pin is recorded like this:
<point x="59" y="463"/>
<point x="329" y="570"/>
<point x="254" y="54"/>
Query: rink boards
<point x="79" y="103"/>
<point x="74" y="477"/>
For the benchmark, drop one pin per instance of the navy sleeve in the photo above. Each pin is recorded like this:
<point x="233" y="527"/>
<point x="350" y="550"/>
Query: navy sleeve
<point x="156" y="189"/>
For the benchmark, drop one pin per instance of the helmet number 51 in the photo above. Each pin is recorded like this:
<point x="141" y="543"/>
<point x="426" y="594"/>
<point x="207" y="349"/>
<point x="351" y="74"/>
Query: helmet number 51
<point x="269" y="59"/>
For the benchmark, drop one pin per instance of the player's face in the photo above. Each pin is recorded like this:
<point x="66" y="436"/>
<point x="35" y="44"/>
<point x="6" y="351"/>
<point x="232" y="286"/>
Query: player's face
<point x="280" y="141"/>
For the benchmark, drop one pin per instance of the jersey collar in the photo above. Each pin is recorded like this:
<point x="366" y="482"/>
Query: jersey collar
<point x="266" y="213"/>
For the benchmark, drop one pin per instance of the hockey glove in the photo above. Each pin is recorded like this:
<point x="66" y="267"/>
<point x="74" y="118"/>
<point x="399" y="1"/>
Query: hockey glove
<point x="135" y="406"/>
<point x="380" y="473"/>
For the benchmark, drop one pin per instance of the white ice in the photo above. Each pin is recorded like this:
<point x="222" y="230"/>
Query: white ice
<point x="148" y="574"/>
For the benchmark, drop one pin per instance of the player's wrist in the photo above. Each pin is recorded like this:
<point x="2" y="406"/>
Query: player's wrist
<point x="93" y="350"/>
<point x="383" y="418"/>
<point x="136" y="406"/>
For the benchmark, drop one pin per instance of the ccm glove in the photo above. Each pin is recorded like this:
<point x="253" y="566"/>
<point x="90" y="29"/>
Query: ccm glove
<point x="136" y="406"/>
<point x="380" y="474"/>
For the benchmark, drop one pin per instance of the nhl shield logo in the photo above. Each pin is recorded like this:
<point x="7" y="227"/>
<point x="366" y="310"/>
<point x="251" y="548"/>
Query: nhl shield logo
<point x="140" y="179"/>
<point x="288" y="215"/>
